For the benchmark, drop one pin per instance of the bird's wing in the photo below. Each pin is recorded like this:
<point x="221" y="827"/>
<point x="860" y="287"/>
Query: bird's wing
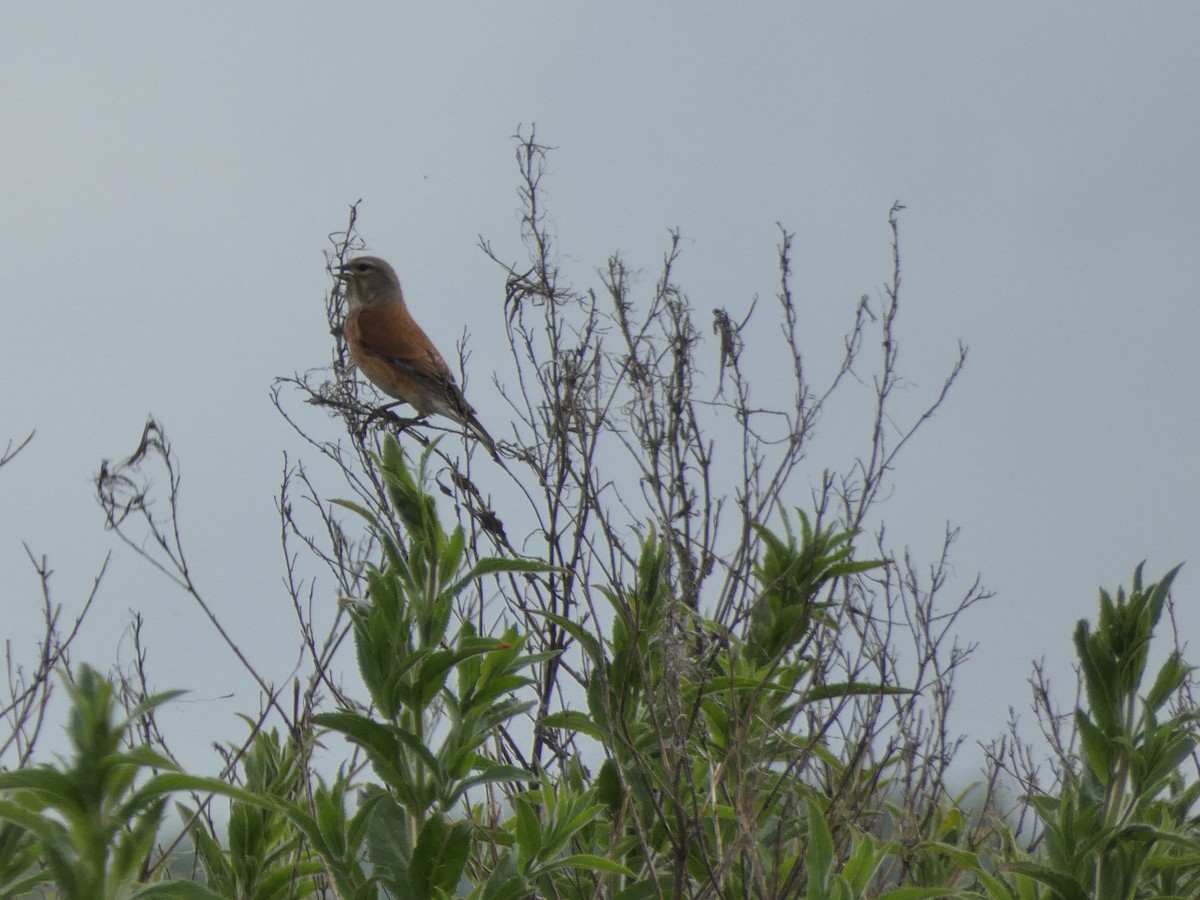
<point x="391" y="334"/>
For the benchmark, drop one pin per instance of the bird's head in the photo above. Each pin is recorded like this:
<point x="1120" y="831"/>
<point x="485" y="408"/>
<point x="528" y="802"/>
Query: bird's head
<point x="370" y="282"/>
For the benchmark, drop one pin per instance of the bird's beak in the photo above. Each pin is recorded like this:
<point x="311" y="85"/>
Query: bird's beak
<point x="342" y="273"/>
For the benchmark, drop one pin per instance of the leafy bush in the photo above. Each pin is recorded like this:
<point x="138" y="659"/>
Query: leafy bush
<point x="671" y="689"/>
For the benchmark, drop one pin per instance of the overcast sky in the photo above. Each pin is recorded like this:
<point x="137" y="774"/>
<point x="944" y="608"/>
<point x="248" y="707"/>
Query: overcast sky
<point x="170" y="174"/>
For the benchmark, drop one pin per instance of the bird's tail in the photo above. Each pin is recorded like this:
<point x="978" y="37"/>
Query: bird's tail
<point x="476" y="428"/>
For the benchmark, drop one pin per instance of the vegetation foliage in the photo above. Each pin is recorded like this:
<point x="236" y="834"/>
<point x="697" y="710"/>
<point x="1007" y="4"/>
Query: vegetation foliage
<point x="663" y="672"/>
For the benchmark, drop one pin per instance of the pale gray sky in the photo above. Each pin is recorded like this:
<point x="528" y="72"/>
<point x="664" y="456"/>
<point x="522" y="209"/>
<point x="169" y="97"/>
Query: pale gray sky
<point x="170" y="173"/>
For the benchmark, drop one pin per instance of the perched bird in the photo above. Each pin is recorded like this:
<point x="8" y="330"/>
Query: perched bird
<point x="390" y="348"/>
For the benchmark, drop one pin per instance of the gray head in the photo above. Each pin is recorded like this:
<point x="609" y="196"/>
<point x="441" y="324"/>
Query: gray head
<point x="370" y="282"/>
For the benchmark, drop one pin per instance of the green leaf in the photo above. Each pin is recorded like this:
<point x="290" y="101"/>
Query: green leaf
<point x="489" y="775"/>
<point x="964" y="859"/>
<point x="865" y="858"/>
<point x="1099" y="679"/>
<point x="22" y="886"/>
<point x="568" y="824"/>
<point x="387" y="846"/>
<point x="50" y="783"/>
<point x="1098" y="750"/>
<point x="500" y="772"/>
<point x="451" y="558"/>
<point x="439" y="857"/>
<point x="1171" y="676"/>
<point x="46" y="830"/>
<point x="1067" y="887"/>
<point x="382" y="742"/>
<point x="181" y="890"/>
<point x="591" y="645"/>
<point x="590" y="862"/>
<point x="493" y="565"/>
<point x="573" y="721"/>
<point x="643" y="890"/>
<point x="528" y="829"/>
<point x="818" y="858"/>
<point x="504" y="883"/>
<point x="360" y="510"/>
<point x="147" y="757"/>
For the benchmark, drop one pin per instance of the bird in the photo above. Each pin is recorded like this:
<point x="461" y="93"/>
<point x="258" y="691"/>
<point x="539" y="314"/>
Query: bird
<point x="394" y="353"/>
